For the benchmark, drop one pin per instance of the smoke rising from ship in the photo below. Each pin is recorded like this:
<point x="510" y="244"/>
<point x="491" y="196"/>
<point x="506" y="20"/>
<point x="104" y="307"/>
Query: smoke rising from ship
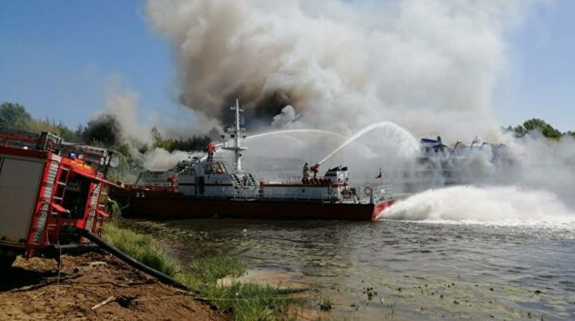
<point x="341" y="65"/>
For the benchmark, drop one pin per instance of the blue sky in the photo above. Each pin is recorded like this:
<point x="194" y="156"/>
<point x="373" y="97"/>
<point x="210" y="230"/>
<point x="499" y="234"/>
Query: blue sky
<point x="540" y="78"/>
<point x="57" y="56"/>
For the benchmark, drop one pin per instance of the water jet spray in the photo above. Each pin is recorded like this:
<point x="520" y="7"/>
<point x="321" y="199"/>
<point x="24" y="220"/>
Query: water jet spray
<point x="391" y="129"/>
<point x="295" y="131"/>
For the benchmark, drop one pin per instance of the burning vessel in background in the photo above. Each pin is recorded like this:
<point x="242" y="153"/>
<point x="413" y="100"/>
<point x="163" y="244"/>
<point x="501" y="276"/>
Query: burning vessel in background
<point x="437" y="164"/>
<point x="464" y="164"/>
<point x="206" y="187"/>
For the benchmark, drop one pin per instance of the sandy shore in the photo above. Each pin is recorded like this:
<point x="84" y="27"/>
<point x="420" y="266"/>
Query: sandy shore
<point x="34" y="291"/>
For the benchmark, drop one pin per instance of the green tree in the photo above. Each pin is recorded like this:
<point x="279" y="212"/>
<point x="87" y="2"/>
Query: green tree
<point x="14" y="116"/>
<point x="160" y="142"/>
<point x="537" y="124"/>
<point x="51" y="125"/>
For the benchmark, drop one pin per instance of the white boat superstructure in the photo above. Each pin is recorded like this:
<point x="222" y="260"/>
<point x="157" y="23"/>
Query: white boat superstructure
<point x="207" y="177"/>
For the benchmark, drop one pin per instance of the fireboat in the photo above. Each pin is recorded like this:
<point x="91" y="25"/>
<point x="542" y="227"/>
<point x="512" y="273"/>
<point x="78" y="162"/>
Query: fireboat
<point x="203" y="187"/>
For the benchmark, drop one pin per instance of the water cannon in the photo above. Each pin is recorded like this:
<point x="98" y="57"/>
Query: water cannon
<point x="315" y="168"/>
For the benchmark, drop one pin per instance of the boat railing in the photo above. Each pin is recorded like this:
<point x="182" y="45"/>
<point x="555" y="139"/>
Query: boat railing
<point x="328" y="197"/>
<point x="380" y="192"/>
<point x="299" y="179"/>
<point x="290" y="178"/>
<point x="154" y="187"/>
<point x="219" y="158"/>
<point x="251" y="194"/>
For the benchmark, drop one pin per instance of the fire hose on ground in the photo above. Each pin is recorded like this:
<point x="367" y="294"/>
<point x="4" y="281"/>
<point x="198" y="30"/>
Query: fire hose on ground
<point x="146" y="269"/>
<point x="129" y="260"/>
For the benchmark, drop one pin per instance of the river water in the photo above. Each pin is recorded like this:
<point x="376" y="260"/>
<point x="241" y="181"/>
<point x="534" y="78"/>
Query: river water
<point x="402" y="270"/>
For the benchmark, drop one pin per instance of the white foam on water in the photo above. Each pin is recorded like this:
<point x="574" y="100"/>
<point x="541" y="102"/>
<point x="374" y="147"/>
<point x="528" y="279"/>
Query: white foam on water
<point x="509" y="205"/>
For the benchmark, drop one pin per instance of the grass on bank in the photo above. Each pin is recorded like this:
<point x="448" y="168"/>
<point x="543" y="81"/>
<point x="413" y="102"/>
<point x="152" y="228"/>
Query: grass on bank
<point x="246" y="301"/>
<point x="141" y="247"/>
<point x="210" y="269"/>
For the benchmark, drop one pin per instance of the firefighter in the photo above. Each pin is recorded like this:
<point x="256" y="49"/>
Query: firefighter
<point x="306" y="170"/>
<point x="211" y="149"/>
<point x="315" y="170"/>
<point x="173" y="179"/>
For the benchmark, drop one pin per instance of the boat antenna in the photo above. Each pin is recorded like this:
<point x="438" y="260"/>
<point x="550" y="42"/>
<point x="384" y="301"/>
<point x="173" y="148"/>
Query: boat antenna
<point x="236" y="133"/>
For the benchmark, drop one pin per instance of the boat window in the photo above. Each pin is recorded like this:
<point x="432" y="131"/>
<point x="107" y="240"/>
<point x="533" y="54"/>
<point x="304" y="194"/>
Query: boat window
<point x="212" y="168"/>
<point x="303" y="190"/>
<point x="189" y="171"/>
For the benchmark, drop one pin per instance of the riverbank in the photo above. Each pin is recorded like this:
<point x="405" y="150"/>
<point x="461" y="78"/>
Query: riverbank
<point x="97" y="286"/>
<point x="216" y="278"/>
<point x="94" y="286"/>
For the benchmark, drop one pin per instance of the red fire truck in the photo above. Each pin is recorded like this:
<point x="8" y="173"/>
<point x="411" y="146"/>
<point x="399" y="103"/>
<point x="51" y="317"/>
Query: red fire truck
<point x="46" y="185"/>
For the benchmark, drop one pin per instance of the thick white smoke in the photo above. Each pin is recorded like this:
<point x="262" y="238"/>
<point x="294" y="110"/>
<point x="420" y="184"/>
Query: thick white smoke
<point x="545" y="163"/>
<point x="342" y="65"/>
<point x="159" y="159"/>
<point x="122" y="104"/>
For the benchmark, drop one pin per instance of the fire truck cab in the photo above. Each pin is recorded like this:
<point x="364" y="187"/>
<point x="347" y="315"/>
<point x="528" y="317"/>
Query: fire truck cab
<point x="46" y="184"/>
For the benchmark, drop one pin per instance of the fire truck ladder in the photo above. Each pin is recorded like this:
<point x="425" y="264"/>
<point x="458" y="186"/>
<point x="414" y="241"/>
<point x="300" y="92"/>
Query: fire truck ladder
<point x="101" y="207"/>
<point x="58" y="199"/>
<point x="92" y="211"/>
<point x="46" y="209"/>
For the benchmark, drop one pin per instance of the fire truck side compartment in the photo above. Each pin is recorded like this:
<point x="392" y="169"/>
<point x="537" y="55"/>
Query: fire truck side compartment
<point x="19" y="183"/>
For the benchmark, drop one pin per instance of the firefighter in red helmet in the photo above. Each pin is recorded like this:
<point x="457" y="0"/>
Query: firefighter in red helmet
<point x="315" y="169"/>
<point x="211" y="150"/>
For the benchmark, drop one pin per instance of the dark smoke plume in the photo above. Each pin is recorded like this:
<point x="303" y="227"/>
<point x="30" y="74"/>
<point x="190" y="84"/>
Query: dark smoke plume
<point x="341" y="65"/>
<point x="105" y="129"/>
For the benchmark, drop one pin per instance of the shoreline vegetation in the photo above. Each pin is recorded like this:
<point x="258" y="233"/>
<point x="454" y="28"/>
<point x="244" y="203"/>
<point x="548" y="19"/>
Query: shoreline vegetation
<point x="245" y="301"/>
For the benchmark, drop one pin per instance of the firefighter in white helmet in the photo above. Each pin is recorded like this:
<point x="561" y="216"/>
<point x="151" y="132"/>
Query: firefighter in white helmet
<point x="306" y="170"/>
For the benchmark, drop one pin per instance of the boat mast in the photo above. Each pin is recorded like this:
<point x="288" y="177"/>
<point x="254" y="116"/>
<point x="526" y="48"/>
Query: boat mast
<point x="236" y="133"/>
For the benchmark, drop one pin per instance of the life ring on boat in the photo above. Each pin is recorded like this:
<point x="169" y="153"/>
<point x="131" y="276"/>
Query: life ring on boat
<point x="367" y="190"/>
